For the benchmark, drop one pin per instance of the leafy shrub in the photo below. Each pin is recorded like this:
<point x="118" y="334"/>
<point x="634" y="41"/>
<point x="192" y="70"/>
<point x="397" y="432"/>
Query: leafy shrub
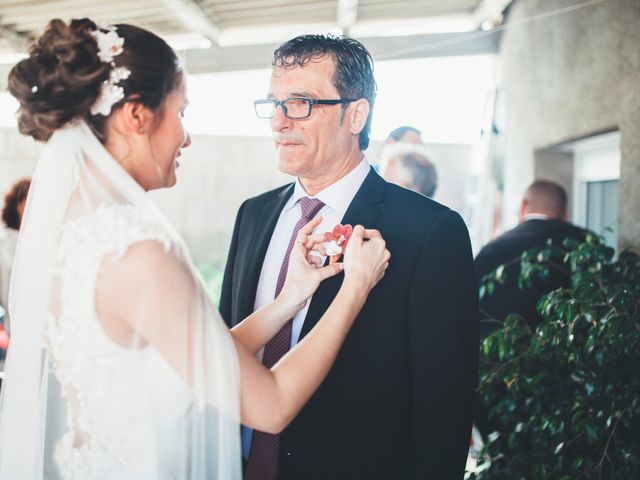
<point x="564" y="401"/>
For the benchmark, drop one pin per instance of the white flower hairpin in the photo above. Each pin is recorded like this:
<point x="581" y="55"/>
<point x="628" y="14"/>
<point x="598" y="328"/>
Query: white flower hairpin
<point x="109" y="43"/>
<point x="110" y="92"/>
<point x="109" y="46"/>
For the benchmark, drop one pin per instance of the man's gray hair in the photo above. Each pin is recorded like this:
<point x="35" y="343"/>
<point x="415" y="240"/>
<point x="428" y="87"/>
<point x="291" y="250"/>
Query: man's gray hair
<point x="413" y="166"/>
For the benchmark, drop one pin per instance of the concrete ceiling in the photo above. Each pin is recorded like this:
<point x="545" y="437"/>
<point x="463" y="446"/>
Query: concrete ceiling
<point x="218" y="35"/>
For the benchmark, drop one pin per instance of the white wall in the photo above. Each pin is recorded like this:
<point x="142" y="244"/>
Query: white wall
<point x="218" y="173"/>
<point x="18" y="156"/>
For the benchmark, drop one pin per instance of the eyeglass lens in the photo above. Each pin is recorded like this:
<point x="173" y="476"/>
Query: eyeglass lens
<point x="292" y="108"/>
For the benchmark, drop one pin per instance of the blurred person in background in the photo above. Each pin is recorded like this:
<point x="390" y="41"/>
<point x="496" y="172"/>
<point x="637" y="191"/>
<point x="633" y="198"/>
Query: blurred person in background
<point x="404" y="134"/>
<point x="408" y="166"/>
<point x="14" y="202"/>
<point x="542" y="215"/>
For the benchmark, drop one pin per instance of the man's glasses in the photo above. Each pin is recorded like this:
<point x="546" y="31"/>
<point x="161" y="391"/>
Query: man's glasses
<point x="294" y="108"/>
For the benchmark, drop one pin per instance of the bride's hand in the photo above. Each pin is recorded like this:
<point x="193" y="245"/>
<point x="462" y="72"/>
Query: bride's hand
<point x="305" y="271"/>
<point x="366" y="259"/>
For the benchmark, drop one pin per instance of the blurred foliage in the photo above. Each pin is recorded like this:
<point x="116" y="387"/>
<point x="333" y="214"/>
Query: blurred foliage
<point x="564" y="401"/>
<point x="211" y="275"/>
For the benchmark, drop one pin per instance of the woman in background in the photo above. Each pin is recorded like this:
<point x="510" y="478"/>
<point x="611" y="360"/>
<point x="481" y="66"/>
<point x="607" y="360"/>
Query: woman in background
<point x="14" y="202"/>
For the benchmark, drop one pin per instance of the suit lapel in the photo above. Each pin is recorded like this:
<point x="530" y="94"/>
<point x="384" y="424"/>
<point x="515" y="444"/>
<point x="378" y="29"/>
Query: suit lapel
<point x="361" y="211"/>
<point x="252" y="268"/>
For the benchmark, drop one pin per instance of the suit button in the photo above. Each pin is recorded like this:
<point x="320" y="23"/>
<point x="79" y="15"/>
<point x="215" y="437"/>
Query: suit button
<point x="288" y="454"/>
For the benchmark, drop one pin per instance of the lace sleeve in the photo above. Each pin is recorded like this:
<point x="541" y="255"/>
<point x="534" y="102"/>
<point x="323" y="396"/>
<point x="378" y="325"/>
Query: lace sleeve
<point x="135" y="315"/>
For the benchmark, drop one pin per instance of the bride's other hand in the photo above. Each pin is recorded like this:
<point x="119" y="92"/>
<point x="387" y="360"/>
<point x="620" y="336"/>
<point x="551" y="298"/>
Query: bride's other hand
<point x="305" y="271"/>
<point x="366" y="259"/>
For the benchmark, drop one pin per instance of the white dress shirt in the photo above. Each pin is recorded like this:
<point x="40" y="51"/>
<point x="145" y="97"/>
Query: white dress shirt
<point x="535" y="216"/>
<point x="336" y="198"/>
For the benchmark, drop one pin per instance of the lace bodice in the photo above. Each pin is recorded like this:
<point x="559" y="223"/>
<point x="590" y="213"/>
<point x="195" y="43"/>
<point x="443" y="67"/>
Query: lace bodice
<point x="107" y="400"/>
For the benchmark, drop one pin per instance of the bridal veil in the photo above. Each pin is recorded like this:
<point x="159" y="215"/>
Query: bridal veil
<point x="173" y="399"/>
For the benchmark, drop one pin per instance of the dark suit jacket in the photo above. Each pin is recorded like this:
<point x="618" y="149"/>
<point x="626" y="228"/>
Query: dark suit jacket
<point x="508" y="298"/>
<point x="398" y="401"/>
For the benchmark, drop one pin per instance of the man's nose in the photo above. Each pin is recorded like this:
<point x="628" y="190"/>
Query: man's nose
<point x="279" y="121"/>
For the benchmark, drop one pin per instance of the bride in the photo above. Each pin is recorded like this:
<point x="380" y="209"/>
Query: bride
<point x="120" y="367"/>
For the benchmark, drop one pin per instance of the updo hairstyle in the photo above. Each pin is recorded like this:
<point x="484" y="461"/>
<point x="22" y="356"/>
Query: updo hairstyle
<point x="61" y="78"/>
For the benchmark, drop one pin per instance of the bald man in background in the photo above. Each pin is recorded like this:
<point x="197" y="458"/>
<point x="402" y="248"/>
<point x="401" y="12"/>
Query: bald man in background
<point x="542" y="216"/>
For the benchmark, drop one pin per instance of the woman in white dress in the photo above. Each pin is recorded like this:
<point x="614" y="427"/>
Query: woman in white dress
<point x="120" y="367"/>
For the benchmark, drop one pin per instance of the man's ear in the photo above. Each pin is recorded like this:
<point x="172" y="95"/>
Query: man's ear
<point x="524" y="209"/>
<point x="136" y="117"/>
<point x="360" y="115"/>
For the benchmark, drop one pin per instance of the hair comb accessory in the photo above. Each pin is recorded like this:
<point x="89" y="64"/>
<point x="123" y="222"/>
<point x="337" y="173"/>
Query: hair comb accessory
<point x="110" y="44"/>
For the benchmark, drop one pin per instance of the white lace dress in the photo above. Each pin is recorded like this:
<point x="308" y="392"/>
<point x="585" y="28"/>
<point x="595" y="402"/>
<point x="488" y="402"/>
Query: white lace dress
<point x="112" y="432"/>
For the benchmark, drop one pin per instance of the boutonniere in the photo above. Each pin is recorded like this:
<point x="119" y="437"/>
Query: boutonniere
<point x="336" y="242"/>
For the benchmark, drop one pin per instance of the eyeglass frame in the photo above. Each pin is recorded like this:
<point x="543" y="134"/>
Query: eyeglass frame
<point x="311" y="102"/>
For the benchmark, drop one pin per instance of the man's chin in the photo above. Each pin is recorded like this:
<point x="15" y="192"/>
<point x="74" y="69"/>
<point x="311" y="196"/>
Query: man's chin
<point x="289" y="165"/>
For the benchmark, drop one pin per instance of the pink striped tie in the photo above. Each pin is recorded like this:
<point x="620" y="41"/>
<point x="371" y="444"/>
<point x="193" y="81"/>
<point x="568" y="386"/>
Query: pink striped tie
<point x="265" y="447"/>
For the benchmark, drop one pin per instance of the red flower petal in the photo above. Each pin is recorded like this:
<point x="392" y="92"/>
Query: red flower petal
<point x="341" y="234"/>
<point x="347" y="235"/>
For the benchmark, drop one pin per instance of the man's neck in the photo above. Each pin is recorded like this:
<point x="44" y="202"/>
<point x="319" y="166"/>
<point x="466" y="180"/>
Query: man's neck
<point x="315" y="185"/>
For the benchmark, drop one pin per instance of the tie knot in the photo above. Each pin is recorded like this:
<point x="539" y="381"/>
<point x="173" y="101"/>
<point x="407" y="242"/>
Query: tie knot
<point x="310" y="207"/>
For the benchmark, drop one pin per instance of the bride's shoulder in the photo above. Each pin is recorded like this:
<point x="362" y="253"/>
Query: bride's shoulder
<point x="114" y="227"/>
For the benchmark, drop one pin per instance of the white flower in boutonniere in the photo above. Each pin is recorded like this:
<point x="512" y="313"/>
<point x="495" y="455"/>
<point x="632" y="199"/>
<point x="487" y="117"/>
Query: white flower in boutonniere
<point x="332" y="248"/>
<point x="109" y="43"/>
<point x="110" y="92"/>
<point x="336" y="242"/>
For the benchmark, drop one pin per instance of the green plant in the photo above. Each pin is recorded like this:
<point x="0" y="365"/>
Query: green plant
<point x="211" y="275"/>
<point x="564" y="401"/>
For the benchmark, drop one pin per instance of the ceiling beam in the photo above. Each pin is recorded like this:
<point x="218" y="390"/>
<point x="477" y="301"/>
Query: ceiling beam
<point x="347" y="15"/>
<point x="250" y="57"/>
<point x="194" y="18"/>
<point x="67" y="6"/>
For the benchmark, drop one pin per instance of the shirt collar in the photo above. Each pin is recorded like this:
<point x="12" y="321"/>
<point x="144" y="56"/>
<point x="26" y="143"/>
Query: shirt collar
<point x="337" y="195"/>
<point x="536" y="216"/>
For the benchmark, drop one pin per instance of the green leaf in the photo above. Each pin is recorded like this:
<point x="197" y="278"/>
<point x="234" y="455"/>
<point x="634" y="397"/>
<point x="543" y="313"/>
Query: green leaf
<point x="554" y="396"/>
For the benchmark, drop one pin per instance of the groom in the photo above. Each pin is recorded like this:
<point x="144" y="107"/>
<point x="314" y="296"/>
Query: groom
<point x="398" y="401"/>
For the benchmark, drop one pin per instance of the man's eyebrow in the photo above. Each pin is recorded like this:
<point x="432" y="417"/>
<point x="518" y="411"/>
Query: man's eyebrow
<point x="302" y="95"/>
<point x="295" y="95"/>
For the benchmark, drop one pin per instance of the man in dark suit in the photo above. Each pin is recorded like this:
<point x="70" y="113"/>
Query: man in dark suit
<point x="398" y="401"/>
<point x="542" y="216"/>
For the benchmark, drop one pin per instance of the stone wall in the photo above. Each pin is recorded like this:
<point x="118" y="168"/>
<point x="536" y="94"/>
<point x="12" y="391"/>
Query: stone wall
<point x="570" y="76"/>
